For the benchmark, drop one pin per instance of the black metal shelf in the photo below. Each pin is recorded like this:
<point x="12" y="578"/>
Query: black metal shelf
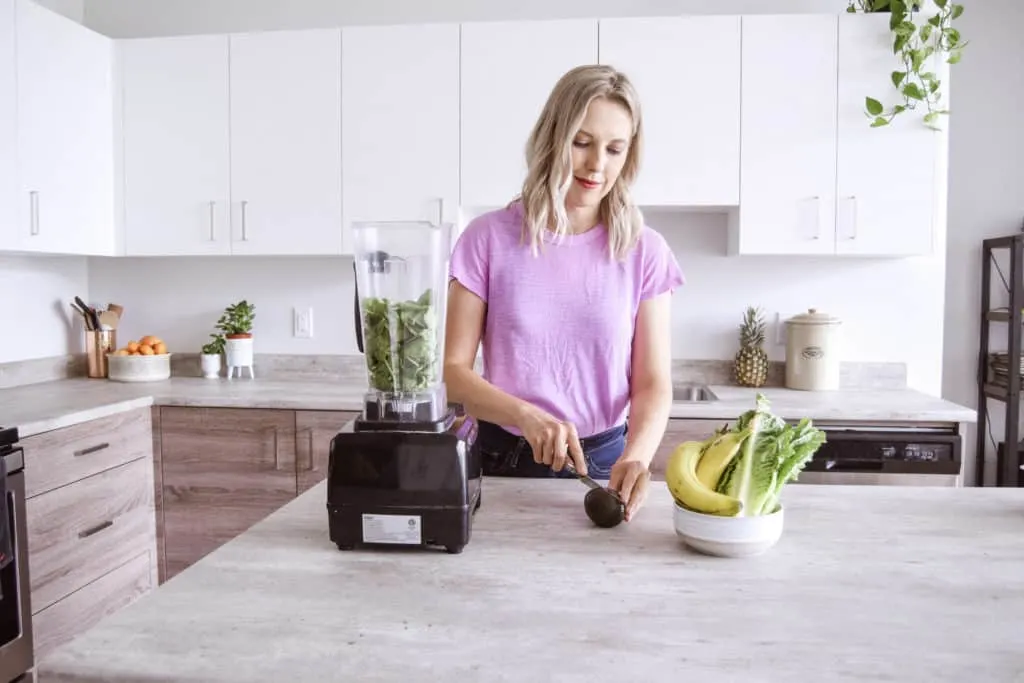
<point x="1008" y="470"/>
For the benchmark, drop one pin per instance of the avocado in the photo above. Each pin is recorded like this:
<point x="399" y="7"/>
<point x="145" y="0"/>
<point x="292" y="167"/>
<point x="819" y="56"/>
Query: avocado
<point x="604" y="507"/>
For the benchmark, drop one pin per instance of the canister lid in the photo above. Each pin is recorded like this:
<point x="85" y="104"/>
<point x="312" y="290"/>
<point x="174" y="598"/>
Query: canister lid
<point x="814" y="317"/>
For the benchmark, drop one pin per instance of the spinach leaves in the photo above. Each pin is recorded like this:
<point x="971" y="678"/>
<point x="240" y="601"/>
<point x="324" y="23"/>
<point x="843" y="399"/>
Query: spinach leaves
<point x="400" y="338"/>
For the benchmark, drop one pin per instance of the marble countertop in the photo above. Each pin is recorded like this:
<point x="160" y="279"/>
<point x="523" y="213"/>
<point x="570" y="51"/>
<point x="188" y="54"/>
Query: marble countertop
<point x="867" y="583"/>
<point x="38" y="408"/>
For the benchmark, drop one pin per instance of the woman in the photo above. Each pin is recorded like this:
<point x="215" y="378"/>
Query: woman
<point x="569" y="293"/>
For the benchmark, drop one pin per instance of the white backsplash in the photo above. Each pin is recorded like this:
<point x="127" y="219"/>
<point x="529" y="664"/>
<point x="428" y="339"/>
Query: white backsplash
<point x="36" y="293"/>
<point x="891" y="308"/>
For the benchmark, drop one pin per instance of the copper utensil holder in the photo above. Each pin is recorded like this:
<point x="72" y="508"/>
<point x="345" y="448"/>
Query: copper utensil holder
<point x="98" y="343"/>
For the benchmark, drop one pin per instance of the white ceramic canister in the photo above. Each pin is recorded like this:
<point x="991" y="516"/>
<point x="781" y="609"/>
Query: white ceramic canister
<point x="812" y="351"/>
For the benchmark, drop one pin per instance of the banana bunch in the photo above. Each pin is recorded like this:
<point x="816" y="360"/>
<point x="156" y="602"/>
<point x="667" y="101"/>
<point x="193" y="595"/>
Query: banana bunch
<point x="695" y="468"/>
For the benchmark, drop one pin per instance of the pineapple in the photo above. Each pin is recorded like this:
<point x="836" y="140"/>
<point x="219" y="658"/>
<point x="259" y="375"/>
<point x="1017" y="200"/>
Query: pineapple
<point x="751" y="363"/>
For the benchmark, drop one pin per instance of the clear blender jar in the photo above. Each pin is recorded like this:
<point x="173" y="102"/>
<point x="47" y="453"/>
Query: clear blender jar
<point x="401" y="277"/>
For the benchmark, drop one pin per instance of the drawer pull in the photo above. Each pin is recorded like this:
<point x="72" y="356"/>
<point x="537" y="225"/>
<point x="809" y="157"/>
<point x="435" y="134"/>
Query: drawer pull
<point x="92" y="449"/>
<point x="96" y="529"/>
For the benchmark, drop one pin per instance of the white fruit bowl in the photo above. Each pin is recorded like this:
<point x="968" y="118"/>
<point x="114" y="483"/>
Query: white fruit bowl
<point x="138" y="368"/>
<point x="728" y="536"/>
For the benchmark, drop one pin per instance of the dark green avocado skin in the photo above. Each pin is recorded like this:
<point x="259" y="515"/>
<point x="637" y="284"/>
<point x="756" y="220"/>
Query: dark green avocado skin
<point x="604" y="508"/>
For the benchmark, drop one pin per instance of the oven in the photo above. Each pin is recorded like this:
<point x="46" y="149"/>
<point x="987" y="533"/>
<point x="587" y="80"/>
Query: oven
<point x="887" y="456"/>
<point x="16" y="646"/>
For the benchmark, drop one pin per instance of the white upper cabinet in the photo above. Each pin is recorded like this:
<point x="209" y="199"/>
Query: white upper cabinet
<point x="9" y="227"/>
<point x="177" y="179"/>
<point x="65" y="118"/>
<point x="687" y="74"/>
<point x="788" y="131"/>
<point x="887" y="184"/>
<point x="508" y="71"/>
<point x="400" y="123"/>
<point x="286" y="151"/>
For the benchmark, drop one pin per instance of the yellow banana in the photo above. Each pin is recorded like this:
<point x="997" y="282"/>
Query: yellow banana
<point x="717" y="457"/>
<point x="688" y="490"/>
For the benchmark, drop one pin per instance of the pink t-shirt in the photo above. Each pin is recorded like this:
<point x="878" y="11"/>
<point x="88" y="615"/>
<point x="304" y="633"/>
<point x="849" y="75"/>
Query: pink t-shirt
<point x="559" y="325"/>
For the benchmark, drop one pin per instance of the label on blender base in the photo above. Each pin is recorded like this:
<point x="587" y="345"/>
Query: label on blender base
<point x="405" y="529"/>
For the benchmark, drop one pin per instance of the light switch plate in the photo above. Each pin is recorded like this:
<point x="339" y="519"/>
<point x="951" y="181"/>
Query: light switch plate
<point x="302" y="323"/>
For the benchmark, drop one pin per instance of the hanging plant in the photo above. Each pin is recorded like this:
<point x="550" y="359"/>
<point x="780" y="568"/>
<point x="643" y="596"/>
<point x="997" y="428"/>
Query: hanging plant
<point x="915" y="40"/>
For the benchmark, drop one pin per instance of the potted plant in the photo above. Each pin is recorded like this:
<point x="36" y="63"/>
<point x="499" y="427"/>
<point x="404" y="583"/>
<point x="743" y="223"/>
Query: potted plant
<point x="918" y="35"/>
<point x="236" y="325"/>
<point x="209" y="360"/>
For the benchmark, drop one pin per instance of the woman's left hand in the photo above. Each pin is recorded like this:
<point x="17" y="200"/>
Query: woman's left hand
<point x="630" y="477"/>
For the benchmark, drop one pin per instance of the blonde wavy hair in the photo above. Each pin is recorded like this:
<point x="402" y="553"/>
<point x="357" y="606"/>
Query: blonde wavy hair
<point x="549" y="159"/>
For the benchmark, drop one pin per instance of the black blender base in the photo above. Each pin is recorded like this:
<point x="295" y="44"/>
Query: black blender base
<point x="449" y="529"/>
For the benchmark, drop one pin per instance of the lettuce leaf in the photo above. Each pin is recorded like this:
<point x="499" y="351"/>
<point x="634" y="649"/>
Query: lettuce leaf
<point x="774" y="454"/>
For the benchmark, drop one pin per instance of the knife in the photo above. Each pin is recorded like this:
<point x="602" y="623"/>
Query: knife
<point x="582" y="477"/>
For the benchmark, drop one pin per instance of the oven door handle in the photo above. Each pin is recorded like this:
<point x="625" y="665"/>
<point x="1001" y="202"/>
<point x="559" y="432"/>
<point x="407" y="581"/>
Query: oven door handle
<point x="853" y="465"/>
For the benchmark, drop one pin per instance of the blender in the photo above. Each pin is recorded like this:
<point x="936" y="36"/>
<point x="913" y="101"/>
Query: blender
<point x="404" y="472"/>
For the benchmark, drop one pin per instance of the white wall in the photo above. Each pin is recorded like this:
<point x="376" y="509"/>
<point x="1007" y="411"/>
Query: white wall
<point x="35" y="295"/>
<point x="986" y="188"/>
<point x="136" y="18"/>
<point x="180" y="299"/>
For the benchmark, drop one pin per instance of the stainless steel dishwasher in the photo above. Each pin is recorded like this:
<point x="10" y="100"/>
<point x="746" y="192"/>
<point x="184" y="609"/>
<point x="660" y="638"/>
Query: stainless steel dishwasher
<point x="887" y="455"/>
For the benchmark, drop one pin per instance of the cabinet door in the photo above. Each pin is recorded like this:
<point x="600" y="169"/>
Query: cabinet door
<point x="400" y="122"/>
<point x="314" y="430"/>
<point x="508" y="71"/>
<point x="687" y="74"/>
<point x="224" y="469"/>
<point x="11" y="230"/>
<point x="286" y="142"/>
<point x="65" y="134"/>
<point x="885" y="207"/>
<point x="788" y="157"/>
<point x="176" y="146"/>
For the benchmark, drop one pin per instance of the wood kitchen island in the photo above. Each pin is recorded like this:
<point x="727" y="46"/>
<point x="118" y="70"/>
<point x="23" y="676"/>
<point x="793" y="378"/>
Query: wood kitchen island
<point x="867" y="584"/>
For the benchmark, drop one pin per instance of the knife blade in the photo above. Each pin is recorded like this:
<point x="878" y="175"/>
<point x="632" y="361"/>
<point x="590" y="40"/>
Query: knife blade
<point x="582" y="477"/>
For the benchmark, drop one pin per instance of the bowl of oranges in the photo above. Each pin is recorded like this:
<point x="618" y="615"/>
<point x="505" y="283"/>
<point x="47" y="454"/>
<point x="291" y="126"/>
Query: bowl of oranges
<point x="144" y="360"/>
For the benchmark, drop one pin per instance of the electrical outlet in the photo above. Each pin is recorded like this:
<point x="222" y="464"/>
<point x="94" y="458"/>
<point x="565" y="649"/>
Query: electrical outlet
<point x="780" y="330"/>
<point x="302" y="323"/>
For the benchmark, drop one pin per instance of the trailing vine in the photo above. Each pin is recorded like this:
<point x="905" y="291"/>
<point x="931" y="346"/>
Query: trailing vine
<point x="915" y="41"/>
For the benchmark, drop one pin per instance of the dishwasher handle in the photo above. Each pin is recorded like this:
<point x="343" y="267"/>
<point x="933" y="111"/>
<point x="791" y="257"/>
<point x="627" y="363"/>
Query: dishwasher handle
<point x="854" y="465"/>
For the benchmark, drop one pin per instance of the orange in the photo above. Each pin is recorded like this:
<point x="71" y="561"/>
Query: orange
<point x="159" y="348"/>
<point x="145" y="350"/>
<point x="132" y="346"/>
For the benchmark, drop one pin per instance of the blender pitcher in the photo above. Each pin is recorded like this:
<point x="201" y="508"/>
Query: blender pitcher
<point x="401" y="277"/>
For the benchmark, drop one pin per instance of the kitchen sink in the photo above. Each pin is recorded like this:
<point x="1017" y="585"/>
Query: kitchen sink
<point x="692" y="393"/>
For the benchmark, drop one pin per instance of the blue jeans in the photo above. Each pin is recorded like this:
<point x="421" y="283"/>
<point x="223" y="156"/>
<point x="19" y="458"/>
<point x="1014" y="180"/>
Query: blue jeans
<point x="503" y="454"/>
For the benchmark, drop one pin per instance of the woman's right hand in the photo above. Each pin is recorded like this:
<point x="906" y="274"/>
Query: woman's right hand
<point x="552" y="440"/>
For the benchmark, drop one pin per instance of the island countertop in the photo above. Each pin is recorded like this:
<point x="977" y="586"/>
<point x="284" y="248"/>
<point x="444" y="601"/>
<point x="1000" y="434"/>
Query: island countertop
<point x="42" y="407"/>
<point x="866" y="584"/>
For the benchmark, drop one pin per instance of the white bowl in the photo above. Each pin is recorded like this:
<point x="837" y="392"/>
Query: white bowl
<point x="728" y="536"/>
<point x="138" y="368"/>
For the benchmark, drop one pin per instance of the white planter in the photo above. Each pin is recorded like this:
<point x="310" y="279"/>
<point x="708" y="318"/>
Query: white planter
<point x="238" y="353"/>
<point x="210" y="363"/>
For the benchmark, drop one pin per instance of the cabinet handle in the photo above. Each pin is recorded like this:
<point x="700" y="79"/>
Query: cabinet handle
<point x="92" y="449"/>
<point x="277" y="457"/>
<point x="817" y="217"/>
<point x="853" y="222"/>
<point x="245" y="236"/>
<point x="33" y="205"/>
<point x="212" y="237"/>
<point x="96" y="529"/>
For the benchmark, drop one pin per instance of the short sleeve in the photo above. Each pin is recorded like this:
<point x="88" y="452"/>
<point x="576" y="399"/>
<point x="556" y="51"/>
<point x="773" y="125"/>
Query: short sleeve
<point x="660" y="271"/>
<point x="469" y="262"/>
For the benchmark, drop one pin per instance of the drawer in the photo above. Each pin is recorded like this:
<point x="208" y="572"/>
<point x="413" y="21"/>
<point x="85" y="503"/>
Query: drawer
<point x="59" y="457"/>
<point x="80" y="532"/>
<point x="62" y="621"/>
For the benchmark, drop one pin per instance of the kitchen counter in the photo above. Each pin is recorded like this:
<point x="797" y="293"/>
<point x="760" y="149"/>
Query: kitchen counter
<point x="38" y="408"/>
<point x="867" y="583"/>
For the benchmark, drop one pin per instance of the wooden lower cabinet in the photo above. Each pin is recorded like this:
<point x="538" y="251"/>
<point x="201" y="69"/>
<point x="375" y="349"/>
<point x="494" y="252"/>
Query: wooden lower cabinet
<point x="91" y="520"/>
<point x="225" y="469"/>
